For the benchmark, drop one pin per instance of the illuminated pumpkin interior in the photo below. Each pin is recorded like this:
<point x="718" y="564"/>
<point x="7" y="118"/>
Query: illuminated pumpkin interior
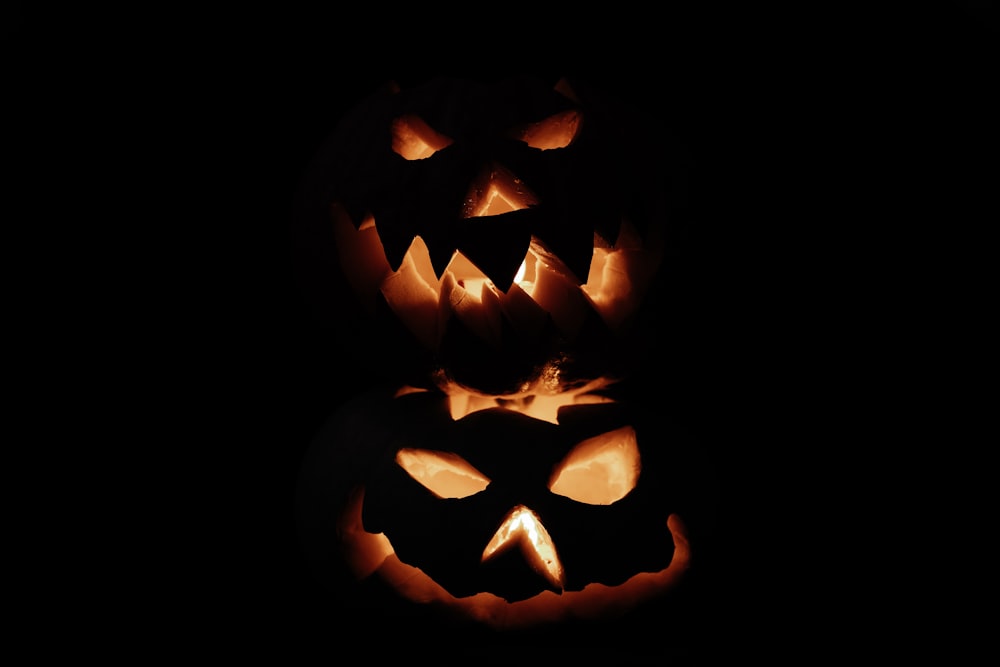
<point x="600" y="470"/>
<point x="422" y="300"/>
<point x="445" y="474"/>
<point x="522" y="528"/>
<point x="556" y="131"/>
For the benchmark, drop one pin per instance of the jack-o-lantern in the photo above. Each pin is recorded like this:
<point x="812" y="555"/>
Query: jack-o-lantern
<point x="502" y="236"/>
<point x="504" y="517"/>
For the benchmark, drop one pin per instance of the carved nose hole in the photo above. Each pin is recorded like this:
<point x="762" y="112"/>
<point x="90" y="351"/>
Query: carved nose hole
<point x="496" y="190"/>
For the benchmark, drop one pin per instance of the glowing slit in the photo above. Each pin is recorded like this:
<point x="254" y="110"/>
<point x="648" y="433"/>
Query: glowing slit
<point x="445" y="474"/>
<point x="523" y="528"/>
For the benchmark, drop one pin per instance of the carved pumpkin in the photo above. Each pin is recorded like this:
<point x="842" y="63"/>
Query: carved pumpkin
<point x="501" y="518"/>
<point x="502" y="236"/>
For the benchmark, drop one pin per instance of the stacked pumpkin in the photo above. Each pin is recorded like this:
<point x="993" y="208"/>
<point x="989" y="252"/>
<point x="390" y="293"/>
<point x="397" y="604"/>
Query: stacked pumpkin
<point x="503" y="238"/>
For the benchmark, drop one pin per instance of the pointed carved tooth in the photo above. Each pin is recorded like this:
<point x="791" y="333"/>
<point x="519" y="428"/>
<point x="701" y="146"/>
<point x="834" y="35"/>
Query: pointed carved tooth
<point x="440" y="257"/>
<point x="361" y="256"/>
<point x="395" y="245"/>
<point x="558" y="294"/>
<point x="420" y="258"/>
<point x="461" y="268"/>
<point x="412" y="297"/>
<point x="473" y="299"/>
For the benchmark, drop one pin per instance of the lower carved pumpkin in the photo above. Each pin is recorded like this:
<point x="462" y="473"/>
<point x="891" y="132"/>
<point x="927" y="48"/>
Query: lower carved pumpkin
<point x="505" y="515"/>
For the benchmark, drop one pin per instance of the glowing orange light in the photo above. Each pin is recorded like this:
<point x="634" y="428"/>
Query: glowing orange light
<point x="523" y="528"/>
<point x="600" y="470"/>
<point x="556" y="131"/>
<point x="540" y="400"/>
<point x="519" y="276"/>
<point x="445" y="474"/>
<point x="414" y="139"/>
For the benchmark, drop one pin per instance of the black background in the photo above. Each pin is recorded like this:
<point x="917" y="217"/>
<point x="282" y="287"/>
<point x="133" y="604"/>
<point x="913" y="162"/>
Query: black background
<point x="191" y="131"/>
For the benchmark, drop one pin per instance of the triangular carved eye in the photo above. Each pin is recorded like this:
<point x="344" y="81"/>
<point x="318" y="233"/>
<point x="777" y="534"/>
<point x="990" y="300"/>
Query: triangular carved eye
<point x="413" y="139"/>
<point x="557" y="131"/>
<point x="444" y="474"/>
<point x="600" y="470"/>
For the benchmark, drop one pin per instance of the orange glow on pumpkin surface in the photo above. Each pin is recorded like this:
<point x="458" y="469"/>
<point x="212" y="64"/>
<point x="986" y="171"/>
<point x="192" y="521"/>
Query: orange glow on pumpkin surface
<point x="371" y="554"/>
<point x="540" y="400"/>
<point x="599" y="470"/>
<point x="445" y="474"/>
<point x="556" y="131"/>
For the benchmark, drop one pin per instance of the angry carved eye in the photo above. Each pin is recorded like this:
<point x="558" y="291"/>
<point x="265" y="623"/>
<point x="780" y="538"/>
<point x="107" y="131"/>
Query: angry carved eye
<point x="444" y="474"/>
<point x="597" y="471"/>
<point x="556" y="131"/>
<point x="600" y="470"/>
<point x="413" y="139"/>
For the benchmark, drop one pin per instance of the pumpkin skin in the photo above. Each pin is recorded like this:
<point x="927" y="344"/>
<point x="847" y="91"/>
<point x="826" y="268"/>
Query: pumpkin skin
<point x="436" y="268"/>
<point x="358" y="507"/>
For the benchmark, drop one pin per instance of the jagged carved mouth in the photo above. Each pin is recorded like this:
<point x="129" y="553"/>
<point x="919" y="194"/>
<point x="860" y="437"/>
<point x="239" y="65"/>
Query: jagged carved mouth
<point x="543" y="287"/>
<point x="371" y="554"/>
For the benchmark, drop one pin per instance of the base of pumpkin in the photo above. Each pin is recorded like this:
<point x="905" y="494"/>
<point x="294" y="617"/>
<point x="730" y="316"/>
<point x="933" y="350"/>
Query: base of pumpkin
<point x="372" y="556"/>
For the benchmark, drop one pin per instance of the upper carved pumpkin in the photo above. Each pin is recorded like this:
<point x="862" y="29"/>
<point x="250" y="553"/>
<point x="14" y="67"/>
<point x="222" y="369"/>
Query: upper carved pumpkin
<point x="513" y="228"/>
